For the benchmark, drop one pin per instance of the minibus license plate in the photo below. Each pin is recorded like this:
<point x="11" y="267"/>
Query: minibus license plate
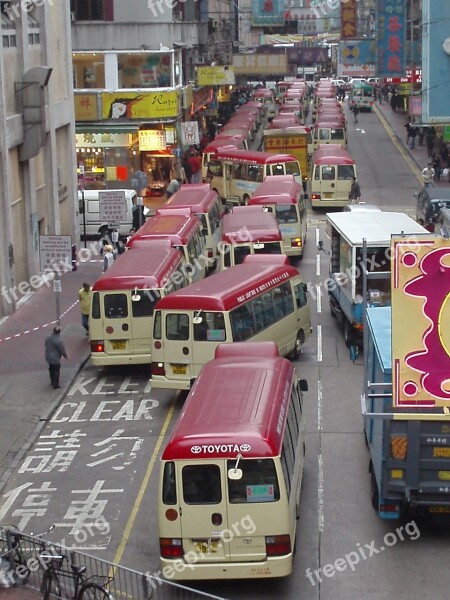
<point x="439" y="509"/>
<point x="205" y="546"/>
<point x="441" y="452"/>
<point x="118" y="345"/>
<point x="328" y="195"/>
<point x="179" y="369"/>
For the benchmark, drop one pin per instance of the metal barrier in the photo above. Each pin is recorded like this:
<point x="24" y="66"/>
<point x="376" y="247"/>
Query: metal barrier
<point x="24" y="560"/>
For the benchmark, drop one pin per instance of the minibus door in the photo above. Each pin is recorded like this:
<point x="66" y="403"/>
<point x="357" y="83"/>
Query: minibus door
<point x="328" y="181"/>
<point x="178" y="346"/>
<point x="116" y="333"/>
<point x="203" y="510"/>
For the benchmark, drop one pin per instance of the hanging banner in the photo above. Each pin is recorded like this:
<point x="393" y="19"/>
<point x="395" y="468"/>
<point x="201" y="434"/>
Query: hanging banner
<point x="267" y="13"/>
<point x="189" y="133"/>
<point x="391" y="38"/>
<point x="357" y="52"/>
<point x="420" y="295"/>
<point x="348" y="20"/>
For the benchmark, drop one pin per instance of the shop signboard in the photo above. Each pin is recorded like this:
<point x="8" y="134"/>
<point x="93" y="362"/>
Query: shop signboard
<point x="268" y="13"/>
<point x="436" y="61"/>
<point x="215" y="75"/>
<point x="140" y="105"/>
<point x="189" y="133"/>
<point x="151" y="140"/>
<point x="85" y="107"/>
<point x="260" y="64"/>
<point x="357" y="52"/>
<point x="348" y="20"/>
<point x="391" y="38"/>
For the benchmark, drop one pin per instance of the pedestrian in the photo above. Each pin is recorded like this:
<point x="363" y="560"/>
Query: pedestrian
<point x="421" y="135"/>
<point x="355" y="190"/>
<point x="428" y="174"/>
<point x="54" y="349"/>
<point x="429" y="140"/>
<point x="108" y="257"/>
<point x="187" y="169"/>
<point x="195" y="164"/>
<point x="437" y="166"/>
<point x="412" y="136"/>
<point x="408" y="127"/>
<point x="132" y="232"/>
<point x="355" y="110"/>
<point x="120" y="247"/>
<point x="84" y="298"/>
<point x="138" y="216"/>
<point x="173" y="187"/>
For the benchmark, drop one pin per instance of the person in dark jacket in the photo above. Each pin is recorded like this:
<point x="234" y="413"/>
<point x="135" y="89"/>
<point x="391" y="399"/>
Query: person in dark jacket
<point x="54" y="349"/>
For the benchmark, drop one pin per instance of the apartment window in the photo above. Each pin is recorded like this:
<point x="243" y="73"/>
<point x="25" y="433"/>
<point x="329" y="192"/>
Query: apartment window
<point x="9" y="39"/>
<point x="89" y="10"/>
<point x="33" y="31"/>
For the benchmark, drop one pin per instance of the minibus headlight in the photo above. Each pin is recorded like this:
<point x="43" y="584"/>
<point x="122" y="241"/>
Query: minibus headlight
<point x="97" y="346"/>
<point x="171" y="547"/>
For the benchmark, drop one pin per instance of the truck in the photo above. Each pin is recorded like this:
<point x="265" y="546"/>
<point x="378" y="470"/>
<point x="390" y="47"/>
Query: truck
<point x="295" y="141"/>
<point x="348" y="233"/>
<point x="405" y="404"/>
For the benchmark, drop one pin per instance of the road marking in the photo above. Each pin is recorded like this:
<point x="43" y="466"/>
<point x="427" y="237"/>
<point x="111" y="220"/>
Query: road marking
<point x="319" y="298"/>
<point x="320" y="495"/>
<point x="140" y="496"/>
<point x="319" y="343"/>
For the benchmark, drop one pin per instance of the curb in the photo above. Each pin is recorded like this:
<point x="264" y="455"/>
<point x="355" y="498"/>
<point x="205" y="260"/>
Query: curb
<point x="45" y="418"/>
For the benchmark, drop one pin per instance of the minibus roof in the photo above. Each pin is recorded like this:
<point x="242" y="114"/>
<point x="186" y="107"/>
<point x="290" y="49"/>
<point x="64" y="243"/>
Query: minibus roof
<point x="253" y="221"/>
<point x="141" y="268"/>
<point x="252" y="156"/>
<point x="224" y="139"/>
<point x="278" y="189"/>
<point x="237" y="405"/>
<point x="178" y="228"/>
<point x="225" y="290"/>
<point x="332" y="154"/>
<point x="198" y="197"/>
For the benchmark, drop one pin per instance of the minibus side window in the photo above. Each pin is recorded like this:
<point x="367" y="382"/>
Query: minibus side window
<point x="286" y="214"/>
<point x="201" y="484"/>
<point x="157" y="325"/>
<point x="300" y="295"/>
<point x="169" y="490"/>
<point x="116" y="306"/>
<point x="95" y="312"/>
<point x="211" y="329"/>
<point x="283" y="300"/>
<point x="259" y="482"/>
<point x="145" y="305"/>
<point x="242" y="324"/>
<point x="345" y="172"/>
<point x="177" y="327"/>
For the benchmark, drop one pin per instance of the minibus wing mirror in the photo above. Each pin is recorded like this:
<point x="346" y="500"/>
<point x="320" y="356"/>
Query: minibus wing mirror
<point x="135" y="296"/>
<point x="234" y="473"/>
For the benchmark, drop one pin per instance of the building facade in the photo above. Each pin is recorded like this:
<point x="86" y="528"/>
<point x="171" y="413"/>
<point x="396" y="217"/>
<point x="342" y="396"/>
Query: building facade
<point x="37" y="154"/>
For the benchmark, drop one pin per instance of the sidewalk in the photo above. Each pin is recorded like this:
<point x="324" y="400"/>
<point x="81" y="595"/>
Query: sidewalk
<point x="26" y="398"/>
<point x="397" y="121"/>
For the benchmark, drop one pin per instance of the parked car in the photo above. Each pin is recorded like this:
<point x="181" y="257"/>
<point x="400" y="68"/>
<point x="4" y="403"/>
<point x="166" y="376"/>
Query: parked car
<point x="357" y="81"/>
<point x="430" y="201"/>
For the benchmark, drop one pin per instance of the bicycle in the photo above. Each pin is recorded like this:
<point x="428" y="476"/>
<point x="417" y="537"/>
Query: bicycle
<point x="16" y="556"/>
<point x="80" y="586"/>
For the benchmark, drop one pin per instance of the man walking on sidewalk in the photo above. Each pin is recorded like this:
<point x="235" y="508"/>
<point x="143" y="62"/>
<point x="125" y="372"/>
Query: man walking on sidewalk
<point x="84" y="297"/>
<point x="54" y="349"/>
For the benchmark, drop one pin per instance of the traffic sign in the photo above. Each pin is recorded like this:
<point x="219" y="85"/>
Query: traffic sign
<point x="55" y="253"/>
<point x="112" y="206"/>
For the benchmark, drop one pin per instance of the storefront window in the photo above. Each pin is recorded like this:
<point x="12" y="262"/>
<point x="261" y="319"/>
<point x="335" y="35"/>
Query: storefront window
<point x="144" y="70"/>
<point x="89" y="71"/>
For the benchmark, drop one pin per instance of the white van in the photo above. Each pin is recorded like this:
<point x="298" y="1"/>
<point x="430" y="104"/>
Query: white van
<point x="91" y="218"/>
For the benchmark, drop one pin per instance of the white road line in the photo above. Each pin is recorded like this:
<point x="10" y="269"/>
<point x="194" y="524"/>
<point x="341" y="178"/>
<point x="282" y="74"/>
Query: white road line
<point x="319" y="298"/>
<point x="320" y="495"/>
<point x="319" y="343"/>
<point x="318" y="254"/>
<point x="319" y="406"/>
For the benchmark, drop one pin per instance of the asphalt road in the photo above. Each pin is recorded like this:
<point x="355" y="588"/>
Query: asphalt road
<point x="93" y="471"/>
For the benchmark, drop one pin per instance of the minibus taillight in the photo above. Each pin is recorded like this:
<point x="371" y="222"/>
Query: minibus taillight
<point x="97" y="346"/>
<point x="171" y="547"/>
<point x="315" y="196"/>
<point x="157" y="368"/>
<point x="278" y="545"/>
<point x="296" y="242"/>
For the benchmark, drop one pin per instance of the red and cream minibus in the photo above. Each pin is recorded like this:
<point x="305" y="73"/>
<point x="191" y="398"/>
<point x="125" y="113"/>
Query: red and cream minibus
<point x="262" y="299"/>
<point x="231" y="472"/>
<point x="332" y="170"/>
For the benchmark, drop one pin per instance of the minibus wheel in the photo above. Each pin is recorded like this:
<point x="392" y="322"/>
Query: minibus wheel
<point x="300" y="340"/>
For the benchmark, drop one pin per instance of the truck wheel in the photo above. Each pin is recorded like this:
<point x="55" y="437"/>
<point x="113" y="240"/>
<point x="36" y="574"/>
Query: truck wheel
<point x="296" y="352"/>
<point x="246" y="199"/>
<point x="348" y="333"/>
<point x="374" y="494"/>
<point x="103" y="231"/>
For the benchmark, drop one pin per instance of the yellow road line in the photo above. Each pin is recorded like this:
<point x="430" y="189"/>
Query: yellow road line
<point x="406" y="156"/>
<point x="137" y="503"/>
